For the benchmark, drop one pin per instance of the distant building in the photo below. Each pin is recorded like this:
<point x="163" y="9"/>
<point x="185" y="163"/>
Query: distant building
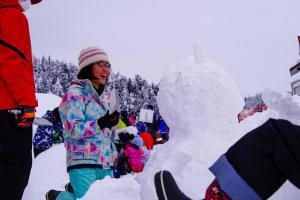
<point x="295" y="84"/>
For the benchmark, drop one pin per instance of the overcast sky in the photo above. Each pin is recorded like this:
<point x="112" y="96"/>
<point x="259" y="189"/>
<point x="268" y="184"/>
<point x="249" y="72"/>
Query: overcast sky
<point x="255" y="41"/>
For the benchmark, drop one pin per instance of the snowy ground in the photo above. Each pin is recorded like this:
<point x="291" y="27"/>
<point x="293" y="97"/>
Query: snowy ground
<point x="200" y="103"/>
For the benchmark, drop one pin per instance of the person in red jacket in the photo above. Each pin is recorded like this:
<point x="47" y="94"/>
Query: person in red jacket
<point x="18" y="101"/>
<point x="147" y="139"/>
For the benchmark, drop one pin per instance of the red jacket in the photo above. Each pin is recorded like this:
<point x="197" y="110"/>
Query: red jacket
<point x="147" y="139"/>
<point x="16" y="69"/>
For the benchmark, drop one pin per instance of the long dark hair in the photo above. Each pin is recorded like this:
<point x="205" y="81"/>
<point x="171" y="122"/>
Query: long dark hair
<point x="86" y="73"/>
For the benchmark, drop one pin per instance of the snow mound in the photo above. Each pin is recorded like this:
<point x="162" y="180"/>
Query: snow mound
<point x="48" y="172"/>
<point x="199" y="93"/>
<point x="199" y="101"/>
<point x="114" y="189"/>
<point x="286" y="106"/>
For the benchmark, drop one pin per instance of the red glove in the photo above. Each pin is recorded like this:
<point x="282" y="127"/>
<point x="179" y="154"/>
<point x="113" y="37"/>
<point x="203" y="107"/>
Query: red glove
<point x="24" y="115"/>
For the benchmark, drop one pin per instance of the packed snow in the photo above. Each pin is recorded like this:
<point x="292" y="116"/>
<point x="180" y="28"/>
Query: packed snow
<point x="200" y="102"/>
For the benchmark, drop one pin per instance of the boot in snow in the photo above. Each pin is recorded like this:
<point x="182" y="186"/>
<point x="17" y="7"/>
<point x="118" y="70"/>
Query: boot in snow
<point x="69" y="188"/>
<point x="52" y="194"/>
<point x="166" y="187"/>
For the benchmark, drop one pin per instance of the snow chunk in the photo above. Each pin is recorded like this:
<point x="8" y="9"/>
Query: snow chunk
<point x="199" y="101"/>
<point x="114" y="189"/>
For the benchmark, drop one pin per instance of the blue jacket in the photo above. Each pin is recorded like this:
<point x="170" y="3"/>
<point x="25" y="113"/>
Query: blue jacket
<point x="43" y="137"/>
<point x="162" y="128"/>
<point x="141" y="127"/>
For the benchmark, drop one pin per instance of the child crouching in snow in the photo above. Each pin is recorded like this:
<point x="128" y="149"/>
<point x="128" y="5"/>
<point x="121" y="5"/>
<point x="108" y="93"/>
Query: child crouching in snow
<point x="139" y="142"/>
<point x="84" y="111"/>
<point x="136" y="155"/>
<point x="133" y="154"/>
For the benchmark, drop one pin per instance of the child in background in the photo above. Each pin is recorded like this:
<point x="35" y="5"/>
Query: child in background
<point x="141" y="127"/>
<point x="147" y="140"/>
<point x="136" y="154"/>
<point x="46" y="136"/>
<point x="122" y="138"/>
<point x="131" y="119"/>
<point x="162" y="132"/>
<point x="146" y="153"/>
<point x="133" y="154"/>
<point x="124" y="117"/>
<point x="88" y="135"/>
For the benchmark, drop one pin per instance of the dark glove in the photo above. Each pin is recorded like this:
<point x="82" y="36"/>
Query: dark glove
<point x="24" y="115"/>
<point x="108" y="121"/>
<point x="126" y="137"/>
<point x="56" y="115"/>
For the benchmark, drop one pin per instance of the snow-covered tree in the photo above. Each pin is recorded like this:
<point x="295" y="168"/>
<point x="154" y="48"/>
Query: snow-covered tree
<point x="55" y="77"/>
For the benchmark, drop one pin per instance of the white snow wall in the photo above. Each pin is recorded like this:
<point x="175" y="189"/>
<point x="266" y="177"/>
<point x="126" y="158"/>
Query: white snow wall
<point x="199" y="101"/>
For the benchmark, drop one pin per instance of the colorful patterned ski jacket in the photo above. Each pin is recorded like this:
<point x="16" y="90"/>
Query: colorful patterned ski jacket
<point x="87" y="145"/>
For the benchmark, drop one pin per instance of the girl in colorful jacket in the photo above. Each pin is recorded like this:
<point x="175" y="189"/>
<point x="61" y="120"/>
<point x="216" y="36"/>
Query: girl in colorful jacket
<point x="84" y="110"/>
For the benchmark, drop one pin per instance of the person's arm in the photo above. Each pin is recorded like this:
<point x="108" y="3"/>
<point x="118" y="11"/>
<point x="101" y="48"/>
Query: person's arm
<point x="109" y="120"/>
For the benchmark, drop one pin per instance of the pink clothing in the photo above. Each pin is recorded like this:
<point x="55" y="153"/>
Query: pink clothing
<point x="131" y="120"/>
<point x="135" y="157"/>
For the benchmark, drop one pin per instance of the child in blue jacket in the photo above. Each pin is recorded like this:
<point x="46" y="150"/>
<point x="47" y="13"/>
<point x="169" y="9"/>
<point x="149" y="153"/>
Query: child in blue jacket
<point x="46" y="136"/>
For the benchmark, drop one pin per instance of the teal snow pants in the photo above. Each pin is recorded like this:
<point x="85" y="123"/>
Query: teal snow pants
<point x="81" y="180"/>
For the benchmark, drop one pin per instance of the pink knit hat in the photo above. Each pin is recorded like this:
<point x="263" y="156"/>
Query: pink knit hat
<point x="91" y="55"/>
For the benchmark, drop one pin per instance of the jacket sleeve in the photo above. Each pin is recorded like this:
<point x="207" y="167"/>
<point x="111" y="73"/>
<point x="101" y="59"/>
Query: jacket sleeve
<point x="16" y="68"/>
<point x="72" y="112"/>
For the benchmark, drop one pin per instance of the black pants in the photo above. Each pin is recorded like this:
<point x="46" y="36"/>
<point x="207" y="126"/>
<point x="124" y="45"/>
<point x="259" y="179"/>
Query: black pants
<point x="268" y="156"/>
<point x="15" y="157"/>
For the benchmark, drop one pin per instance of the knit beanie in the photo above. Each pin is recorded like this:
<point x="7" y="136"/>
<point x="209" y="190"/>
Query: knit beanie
<point x="91" y="55"/>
